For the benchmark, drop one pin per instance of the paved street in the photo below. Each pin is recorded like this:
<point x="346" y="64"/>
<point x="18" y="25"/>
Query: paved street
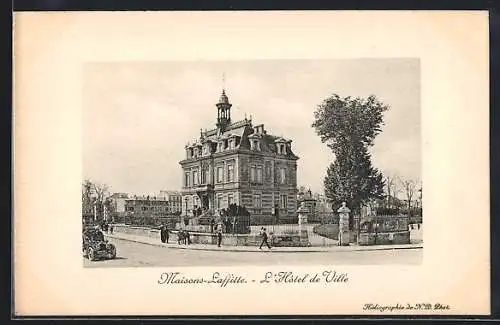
<point x="130" y="254"/>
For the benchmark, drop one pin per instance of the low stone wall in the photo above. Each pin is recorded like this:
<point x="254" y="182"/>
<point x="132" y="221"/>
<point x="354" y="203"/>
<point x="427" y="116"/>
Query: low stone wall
<point x="400" y="238"/>
<point x="295" y="240"/>
<point x="387" y="238"/>
<point x="301" y="239"/>
<point x="366" y="239"/>
<point x="139" y="231"/>
<point x="195" y="228"/>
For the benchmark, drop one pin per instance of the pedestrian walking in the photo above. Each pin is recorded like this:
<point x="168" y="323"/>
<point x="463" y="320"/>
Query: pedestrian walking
<point x="111" y="229"/>
<point x="219" y="238"/>
<point x="264" y="238"/>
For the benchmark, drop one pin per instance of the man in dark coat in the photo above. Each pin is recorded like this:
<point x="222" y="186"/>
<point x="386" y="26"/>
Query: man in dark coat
<point x="219" y="238"/>
<point x="164" y="234"/>
<point x="167" y="232"/>
<point x="263" y="233"/>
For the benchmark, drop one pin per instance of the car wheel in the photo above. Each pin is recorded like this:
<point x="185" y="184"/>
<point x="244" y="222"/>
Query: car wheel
<point x="91" y="254"/>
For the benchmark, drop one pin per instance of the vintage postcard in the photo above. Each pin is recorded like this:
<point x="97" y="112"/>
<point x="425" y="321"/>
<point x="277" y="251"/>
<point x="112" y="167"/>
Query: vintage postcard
<point x="305" y="163"/>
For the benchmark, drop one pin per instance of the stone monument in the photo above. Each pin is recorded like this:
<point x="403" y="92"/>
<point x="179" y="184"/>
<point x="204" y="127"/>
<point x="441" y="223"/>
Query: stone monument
<point x="344" y="233"/>
<point x="303" y="212"/>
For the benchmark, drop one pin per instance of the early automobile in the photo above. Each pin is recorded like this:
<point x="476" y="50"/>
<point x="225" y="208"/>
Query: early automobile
<point x="95" y="246"/>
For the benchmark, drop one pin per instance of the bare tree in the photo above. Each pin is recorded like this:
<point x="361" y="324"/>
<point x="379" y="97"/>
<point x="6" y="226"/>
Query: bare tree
<point x="101" y="191"/>
<point x="392" y="188"/>
<point x="94" y="194"/>
<point x="420" y="195"/>
<point x="410" y="188"/>
<point x="87" y="189"/>
<point x="110" y="208"/>
<point x="396" y="188"/>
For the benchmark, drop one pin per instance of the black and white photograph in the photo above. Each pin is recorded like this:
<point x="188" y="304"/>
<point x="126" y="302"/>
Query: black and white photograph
<point x="262" y="162"/>
<point x="251" y="163"/>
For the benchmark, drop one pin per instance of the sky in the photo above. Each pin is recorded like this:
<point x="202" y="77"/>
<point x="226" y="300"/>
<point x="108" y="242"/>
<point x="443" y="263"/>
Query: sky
<point x="138" y="116"/>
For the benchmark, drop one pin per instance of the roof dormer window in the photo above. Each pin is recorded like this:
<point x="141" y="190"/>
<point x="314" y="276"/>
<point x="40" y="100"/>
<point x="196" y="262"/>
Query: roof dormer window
<point x="255" y="145"/>
<point x="281" y="146"/>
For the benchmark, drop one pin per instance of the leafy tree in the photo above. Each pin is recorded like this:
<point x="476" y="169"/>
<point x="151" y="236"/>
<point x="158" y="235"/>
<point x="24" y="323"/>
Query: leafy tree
<point x="343" y="121"/>
<point x="351" y="178"/>
<point x="240" y="216"/>
<point x="235" y="210"/>
<point x="349" y="126"/>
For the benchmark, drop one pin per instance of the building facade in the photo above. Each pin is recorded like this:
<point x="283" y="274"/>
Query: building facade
<point x="174" y="199"/>
<point x="118" y="202"/>
<point x="237" y="162"/>
<point x="146" y="206"/>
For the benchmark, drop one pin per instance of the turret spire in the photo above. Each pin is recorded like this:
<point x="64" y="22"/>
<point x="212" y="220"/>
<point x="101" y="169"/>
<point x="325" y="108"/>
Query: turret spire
<point x="223" y="111"/>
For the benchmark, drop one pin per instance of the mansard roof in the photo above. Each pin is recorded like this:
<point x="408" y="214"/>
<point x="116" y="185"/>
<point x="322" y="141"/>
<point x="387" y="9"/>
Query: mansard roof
<point x="245" y="131"/>
<point x="236" y="129"/>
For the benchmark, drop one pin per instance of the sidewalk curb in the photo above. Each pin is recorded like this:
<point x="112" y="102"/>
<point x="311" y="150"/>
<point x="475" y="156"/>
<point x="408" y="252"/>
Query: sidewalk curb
<point x="298" y="250"/>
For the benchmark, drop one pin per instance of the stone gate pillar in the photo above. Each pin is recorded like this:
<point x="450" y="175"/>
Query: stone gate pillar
<point x="302" y="214"/>
<point x="344" y="233"/>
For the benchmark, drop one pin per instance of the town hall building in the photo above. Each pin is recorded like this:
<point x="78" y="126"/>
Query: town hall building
<point x="238" y="162"/>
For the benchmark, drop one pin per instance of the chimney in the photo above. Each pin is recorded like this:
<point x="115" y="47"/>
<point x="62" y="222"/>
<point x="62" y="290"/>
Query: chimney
<point x="259" y="129"/>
